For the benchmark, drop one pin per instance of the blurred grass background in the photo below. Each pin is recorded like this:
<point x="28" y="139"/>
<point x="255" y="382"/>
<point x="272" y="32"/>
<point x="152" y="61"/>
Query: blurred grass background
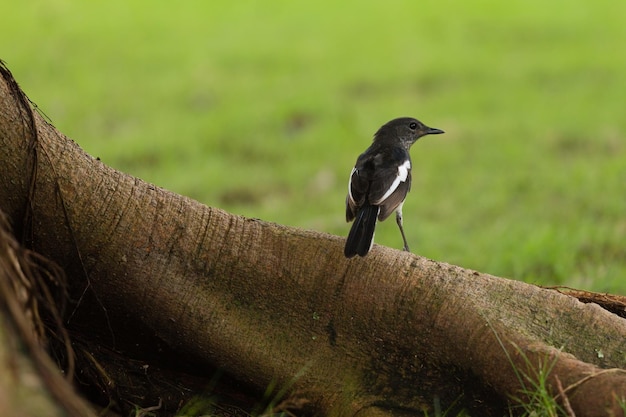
<point x="261" y="108"/>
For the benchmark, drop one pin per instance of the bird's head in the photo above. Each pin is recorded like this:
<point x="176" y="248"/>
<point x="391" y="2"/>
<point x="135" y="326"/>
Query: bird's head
<point x="405" y="129"/>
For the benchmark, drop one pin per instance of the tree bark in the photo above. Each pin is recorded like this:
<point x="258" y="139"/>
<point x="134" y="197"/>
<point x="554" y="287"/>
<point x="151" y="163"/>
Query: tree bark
<point x="30" y="382"/>
<point x="277" y="306"/>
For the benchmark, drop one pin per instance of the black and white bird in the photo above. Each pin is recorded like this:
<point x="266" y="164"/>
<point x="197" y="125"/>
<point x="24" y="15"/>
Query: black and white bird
<point x="380" y="181"/>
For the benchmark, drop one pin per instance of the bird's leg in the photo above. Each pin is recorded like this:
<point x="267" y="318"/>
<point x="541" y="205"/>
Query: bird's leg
<point x="399" y="221"/>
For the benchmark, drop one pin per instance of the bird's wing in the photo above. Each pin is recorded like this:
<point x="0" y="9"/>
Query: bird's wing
<point x="352" y="204"/>
<point x="389" y="182"/>
<point x="360" y="181"/>
<point x="395" y="198"/>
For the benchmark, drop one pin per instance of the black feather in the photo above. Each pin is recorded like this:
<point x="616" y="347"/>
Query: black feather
<point x="361" y="234"/>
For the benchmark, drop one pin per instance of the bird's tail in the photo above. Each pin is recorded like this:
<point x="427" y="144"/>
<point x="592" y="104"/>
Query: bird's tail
<point x="361" y="234"/>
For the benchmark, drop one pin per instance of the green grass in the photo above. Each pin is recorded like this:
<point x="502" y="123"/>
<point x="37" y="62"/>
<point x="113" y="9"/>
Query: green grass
<point x="536" y="398"/>
<point x="261" y="108"/>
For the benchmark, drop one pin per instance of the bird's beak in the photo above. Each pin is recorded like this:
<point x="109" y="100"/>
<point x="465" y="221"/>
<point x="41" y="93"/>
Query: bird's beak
<point x="433" y="131"/>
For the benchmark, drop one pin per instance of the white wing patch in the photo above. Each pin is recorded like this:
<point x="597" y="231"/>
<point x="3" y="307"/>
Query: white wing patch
<point x="403" y="173"/>
<point x="350" y="183"/>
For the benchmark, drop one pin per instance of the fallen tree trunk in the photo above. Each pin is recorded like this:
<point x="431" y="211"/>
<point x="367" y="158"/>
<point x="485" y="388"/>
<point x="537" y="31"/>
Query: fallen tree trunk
<point x="278" y="306"/>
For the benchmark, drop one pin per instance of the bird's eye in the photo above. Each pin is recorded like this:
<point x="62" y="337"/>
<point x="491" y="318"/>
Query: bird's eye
<point x="413" y="125"/>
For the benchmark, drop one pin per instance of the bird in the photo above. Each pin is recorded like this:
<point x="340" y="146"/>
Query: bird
<point x="380" y="181"/>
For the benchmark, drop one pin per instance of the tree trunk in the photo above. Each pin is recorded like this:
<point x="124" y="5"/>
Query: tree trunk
<point x="270" y="305"/>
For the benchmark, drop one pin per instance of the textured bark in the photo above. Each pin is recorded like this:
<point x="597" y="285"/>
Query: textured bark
<point x="30" y="382"/>
<point x="273" y="305"/>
